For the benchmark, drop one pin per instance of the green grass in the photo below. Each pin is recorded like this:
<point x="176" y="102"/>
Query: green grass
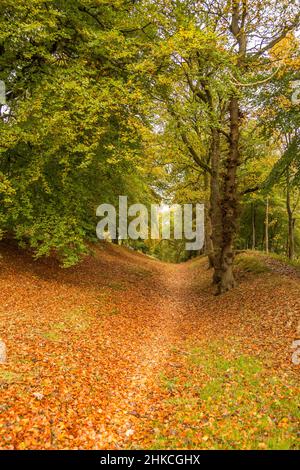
<point x="228" y="400"/>
<point x="251" y="264"/>
<point x="76" y="320"/>
<point x="197" y="262"/>
<point x="139" y="272"/>
<point x="9" y="377"/>
<point x="117" y="286"/>
<point x="53" y="335"/>
<point x="169" y="383"/>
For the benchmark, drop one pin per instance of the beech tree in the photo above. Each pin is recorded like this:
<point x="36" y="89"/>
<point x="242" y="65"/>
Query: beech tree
<point x="70" y="136"/>
<point x="146" y="99"/>
<point x="211" y="58"/>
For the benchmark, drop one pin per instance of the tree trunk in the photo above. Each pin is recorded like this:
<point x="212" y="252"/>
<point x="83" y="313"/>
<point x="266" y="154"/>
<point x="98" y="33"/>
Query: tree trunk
<point x="267" y="227"/>
<point x="291" y="221"/>
<point x="215" y="205"/>
<point x="224" y="209"/>
<point x="230" y="201"/>
<point x="209" y="249"/>
<point x="115" y="241"/>
<point x="253" y="216"/>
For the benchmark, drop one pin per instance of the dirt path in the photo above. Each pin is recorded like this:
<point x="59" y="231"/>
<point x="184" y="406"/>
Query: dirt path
<point x="163" y="330"/>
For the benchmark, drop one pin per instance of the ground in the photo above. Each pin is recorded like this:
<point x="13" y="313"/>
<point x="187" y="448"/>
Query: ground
<point x="123" y="351"/>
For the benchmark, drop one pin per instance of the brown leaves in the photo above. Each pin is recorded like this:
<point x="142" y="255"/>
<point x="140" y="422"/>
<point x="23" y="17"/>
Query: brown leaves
<point x="89" y="348"/>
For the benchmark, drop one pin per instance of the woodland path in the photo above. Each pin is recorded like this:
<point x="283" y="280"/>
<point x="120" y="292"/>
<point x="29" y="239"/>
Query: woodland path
<point x="167" y="319"/>
<point x="89" y="347"/>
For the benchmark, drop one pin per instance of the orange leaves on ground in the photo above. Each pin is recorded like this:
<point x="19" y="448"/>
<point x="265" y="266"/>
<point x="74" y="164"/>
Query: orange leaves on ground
<point x="99" y="354"/>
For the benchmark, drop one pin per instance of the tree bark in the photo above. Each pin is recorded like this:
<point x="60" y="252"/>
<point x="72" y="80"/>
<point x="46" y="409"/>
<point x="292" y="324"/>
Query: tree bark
<point x="224" y="204"/>
<point x="253" y="217"/>
<point x="267" y="227"/>
<point x="291" y="221"/>
<point x="229" y="203"/>
<point x="215" y="206"/>
<point x="209" y="249"/>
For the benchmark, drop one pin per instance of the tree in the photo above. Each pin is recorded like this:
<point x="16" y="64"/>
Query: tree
<point x="70" y="134"/>
<point x="207" y="61"/>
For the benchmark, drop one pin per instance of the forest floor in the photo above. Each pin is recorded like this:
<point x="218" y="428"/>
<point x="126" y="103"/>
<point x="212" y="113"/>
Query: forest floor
<point x="126" y="352"/>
